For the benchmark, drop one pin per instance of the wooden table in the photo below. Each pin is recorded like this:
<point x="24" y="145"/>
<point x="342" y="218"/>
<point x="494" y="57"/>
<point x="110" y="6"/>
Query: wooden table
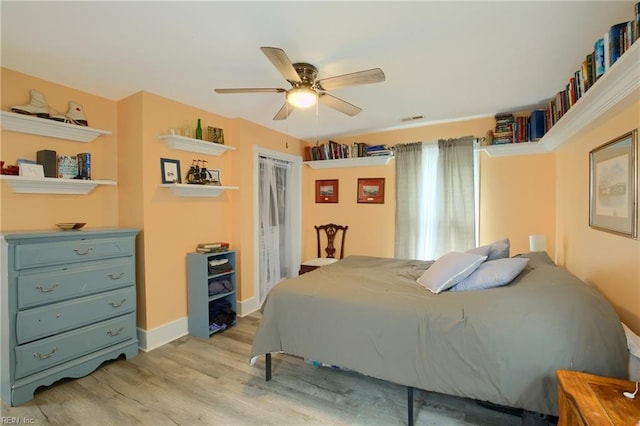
<point x="586" y="399"/>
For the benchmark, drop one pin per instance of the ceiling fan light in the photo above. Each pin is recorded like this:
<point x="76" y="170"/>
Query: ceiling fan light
<point x="302" y="97"/>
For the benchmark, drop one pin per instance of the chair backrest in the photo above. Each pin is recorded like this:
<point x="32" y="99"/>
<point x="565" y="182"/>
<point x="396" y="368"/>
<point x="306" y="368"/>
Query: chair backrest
<point x="331" y="231"/>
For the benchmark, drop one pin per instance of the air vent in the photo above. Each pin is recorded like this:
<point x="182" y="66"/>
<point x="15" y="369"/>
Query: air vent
<point x="414" y="118"/>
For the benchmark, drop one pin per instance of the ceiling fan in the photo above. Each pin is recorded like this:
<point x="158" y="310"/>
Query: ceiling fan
<point x="305" y="90"/>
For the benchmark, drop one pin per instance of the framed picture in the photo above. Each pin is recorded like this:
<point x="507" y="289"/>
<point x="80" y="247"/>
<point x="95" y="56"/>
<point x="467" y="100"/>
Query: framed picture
<point x="215" y="177"/>
<point x="215" y="135"/>
<point x="31" y="170"/>
<point x="371" y="190"/>
<point x="170" y="170"/>
<point x="327" y="191"/>
<point x="613" y="195"/>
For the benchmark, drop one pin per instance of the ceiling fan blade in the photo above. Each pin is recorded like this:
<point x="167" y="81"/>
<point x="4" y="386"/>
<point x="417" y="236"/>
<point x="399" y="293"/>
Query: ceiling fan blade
<point x="251" y="90"/>
<point x="282" y="63"/>
<point x="338" y="104"/>
<point x="284" y="112"/>
<point x="374" y="75"/>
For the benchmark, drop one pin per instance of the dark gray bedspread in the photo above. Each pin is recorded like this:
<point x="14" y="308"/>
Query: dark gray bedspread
<point x="501" y="345"/>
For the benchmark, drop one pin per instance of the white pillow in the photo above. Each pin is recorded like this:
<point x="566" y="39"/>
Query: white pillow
<point x="449" y="270"/>
<point x="492" y="273"/>
<point x="482" y="250"/>
<point x="499" y="249"/>
<point x="496" y="250"/>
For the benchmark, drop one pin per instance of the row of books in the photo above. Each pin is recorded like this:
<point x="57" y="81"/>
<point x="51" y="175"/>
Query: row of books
<point x="334" y="151"/>
<point x="606" y="51"/>
<point x="216" y="247"/>
<point x="519" y="128"/>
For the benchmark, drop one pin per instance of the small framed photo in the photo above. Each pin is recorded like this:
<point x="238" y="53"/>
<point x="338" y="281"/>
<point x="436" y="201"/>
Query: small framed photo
<point x="327" y="191"/>
<point x="170" y="170"/>
<point x="215" y="135"/>
<point x="613" y="195"/>
<point x="371" y="190"/>
<point x="215" y="177"/>
<point x="31" y="170"/>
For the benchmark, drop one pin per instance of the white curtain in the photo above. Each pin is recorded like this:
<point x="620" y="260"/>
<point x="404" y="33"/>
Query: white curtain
<point x="275" y="207"/>
<point x="455" y="196"/>
<point x="434" y="213"/>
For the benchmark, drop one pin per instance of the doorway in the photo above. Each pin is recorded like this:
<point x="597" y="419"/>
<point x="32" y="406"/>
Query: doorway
<point x="278" y="201"/>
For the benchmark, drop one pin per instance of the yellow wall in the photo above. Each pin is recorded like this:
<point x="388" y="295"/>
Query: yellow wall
<point x="173" y="225"/>
<point x="516" y="194"/>
<point x="520" y="195"/>
<point x="609" y="262"/>
<point x="43" y="211"/>
<point x="517" y="199"/>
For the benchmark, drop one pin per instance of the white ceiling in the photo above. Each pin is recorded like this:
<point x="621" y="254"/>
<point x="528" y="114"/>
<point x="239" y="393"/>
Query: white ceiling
<point x="442" y="60"/>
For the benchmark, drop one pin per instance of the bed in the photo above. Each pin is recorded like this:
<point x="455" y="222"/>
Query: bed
<point x="502" y="345"/>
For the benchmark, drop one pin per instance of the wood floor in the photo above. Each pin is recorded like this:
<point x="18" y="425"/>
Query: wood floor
<point x="193" y="381"/>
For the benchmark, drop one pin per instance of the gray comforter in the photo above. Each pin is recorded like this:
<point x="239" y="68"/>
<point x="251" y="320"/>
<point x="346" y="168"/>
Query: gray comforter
<point x="501" y="345"/>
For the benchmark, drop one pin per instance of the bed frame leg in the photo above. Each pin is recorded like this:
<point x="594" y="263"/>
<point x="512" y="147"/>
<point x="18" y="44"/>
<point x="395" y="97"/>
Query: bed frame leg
<point x="410" y="405"/>
<point x="268" y="366"/>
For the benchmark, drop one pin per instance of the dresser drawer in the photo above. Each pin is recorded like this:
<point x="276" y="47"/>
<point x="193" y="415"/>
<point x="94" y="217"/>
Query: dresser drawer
<point x="57" y="284"/>
<point x="54" y="253"/>
<point x="37" y="323"/>
<point x="46" y="353"/>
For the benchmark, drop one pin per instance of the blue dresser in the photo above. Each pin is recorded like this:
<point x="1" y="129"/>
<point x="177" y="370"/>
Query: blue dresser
<point x="68" y="303"/>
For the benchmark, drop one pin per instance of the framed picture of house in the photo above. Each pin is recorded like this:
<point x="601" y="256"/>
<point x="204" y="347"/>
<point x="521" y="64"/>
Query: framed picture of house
<point x="613" y="195"/>
<point x="170" y="170"/>
<point x="371" y="190"/>
<point x="327" y="191"/>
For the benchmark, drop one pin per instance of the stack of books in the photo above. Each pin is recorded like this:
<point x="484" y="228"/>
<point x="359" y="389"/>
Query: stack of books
<point x="212" y="247"/>
<point x="504" y="129"/>
<point x="378" y="150"/>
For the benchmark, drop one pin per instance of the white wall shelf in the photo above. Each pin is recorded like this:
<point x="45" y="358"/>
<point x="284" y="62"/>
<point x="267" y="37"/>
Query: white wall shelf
<point x="30" y="185"/>
<point x="195" y="190"/>
<point x="618" y="88"/>
<point x="45" y="127"/>
<point x="350" y="162"/>
<point x="195" y="145"/>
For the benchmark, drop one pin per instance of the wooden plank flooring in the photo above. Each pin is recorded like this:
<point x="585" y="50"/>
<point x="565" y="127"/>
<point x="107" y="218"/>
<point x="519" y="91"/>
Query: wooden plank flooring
<point x="193" y="381"/>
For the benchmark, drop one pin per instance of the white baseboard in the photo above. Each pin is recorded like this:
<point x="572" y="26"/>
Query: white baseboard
<point x="152" y="339"/>
<point x="149" y="340"/>
<point x="247" y="307"/>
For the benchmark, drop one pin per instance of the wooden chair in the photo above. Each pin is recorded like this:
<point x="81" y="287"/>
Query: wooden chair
<point x="331" y="231"/>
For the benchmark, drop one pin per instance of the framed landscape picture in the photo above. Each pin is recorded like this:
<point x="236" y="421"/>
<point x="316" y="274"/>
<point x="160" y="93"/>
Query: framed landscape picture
<point x="327" y="191"/>
<point x="613" y="195"/>
<point x="371" y="190"/>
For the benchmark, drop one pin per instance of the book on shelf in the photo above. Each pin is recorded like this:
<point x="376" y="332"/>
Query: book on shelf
<point x="537" y="126"/>
<point x="617" y="46"/>
<point x="214" y="245"/>
<point x="598" y="55"/>
<point x="67" y="166"/>
<point x="211" y="250"/>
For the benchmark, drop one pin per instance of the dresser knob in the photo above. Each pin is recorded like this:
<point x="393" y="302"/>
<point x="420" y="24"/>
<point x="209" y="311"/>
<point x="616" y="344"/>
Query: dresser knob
<point x="116" y="276"/>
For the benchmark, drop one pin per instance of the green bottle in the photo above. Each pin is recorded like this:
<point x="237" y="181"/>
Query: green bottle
<point x="199" y="131"/>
